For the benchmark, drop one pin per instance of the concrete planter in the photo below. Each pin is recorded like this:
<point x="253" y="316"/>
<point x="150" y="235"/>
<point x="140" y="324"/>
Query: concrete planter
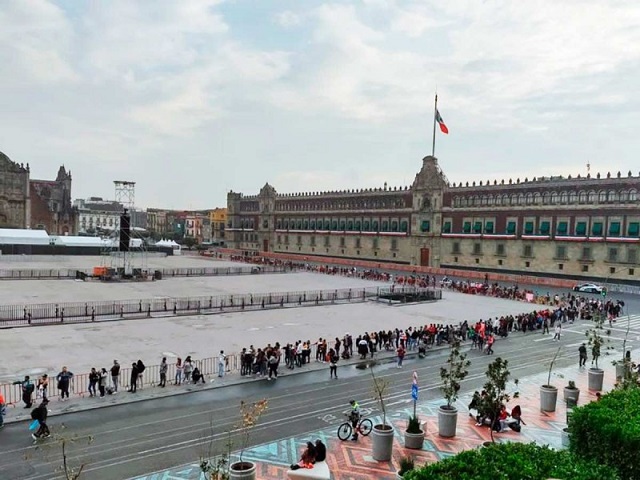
<point x="621" y="370"/>
<point x="382" y="442"/>
<point x="548" y="398"/>
<point x="571" y="395"/>
<point x="413" y="440"/>
<point x="447" y="421"/>
<point x="564" y="437"/>
<point x="242" y="471"/>
<point x="596" y="378"/>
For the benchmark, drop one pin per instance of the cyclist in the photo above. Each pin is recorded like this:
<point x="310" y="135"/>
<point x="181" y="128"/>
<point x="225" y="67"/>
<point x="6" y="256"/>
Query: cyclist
<point x="354" y="418"/>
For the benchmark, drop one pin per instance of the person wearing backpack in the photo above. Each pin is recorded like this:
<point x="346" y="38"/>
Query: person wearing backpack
<point x="40" y="414"/>
<point x="27" y="391"/>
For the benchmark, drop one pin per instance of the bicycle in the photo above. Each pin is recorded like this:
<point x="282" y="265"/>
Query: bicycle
<point x="363" y="427"/>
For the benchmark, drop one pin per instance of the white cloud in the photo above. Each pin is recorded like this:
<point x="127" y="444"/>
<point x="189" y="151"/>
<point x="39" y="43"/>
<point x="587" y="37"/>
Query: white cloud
<point x="288" y="19"/>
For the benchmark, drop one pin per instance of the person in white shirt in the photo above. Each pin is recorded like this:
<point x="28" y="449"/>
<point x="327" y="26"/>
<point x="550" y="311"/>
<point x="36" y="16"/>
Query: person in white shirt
<point x="556" y="336"/>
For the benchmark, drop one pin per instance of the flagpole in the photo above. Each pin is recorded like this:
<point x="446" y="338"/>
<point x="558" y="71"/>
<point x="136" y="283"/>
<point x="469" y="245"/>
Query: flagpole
<point x="433" y="144"/>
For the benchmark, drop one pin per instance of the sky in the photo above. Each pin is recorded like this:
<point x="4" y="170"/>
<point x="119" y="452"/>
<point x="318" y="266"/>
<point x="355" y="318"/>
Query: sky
<point x="193" y="98"/>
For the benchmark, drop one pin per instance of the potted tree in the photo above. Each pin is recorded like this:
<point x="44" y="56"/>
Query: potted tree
<point x="571" y="393"/>
<point x="548" y="392"/>
<point x="382" y="434"/>
<point x="414" y="435"/>
<point x="451" y="375"/>
<point x="495" y="389"/>
<point x="624" y="366"/>
<point x="249" y="415"/>
<point x="406" y="465"/>
<point x="596" y="341"/>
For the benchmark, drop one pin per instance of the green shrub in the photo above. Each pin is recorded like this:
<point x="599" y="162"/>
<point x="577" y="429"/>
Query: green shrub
<point x="608" y="431"/>
<point x="414" y="425"/>
<point x="512" y="461"/>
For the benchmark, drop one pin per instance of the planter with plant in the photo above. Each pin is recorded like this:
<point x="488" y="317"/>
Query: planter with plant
<point x="406" y="465"/>
<point x="548" y="392"/>
<point x="624" y="366"/>
<point x="571" y="393"/>
<point x="382" y="434"/>
<point x="452" y="376"/>
<point x="597" y="340"/>
<point x="496" y="393"/>
<point x="414" y="435"/>
<point x="250" y="413"/>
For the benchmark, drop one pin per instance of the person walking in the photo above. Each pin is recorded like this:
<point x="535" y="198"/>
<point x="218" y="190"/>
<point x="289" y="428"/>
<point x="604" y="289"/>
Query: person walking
<point x="400" y="352"/>
<point x="333" y="364"/>
<point x="28" y="388"/>
<point x="556" y="336"/>
<point x="40" y="414"/>
<point x="64" y="382"/>
<point x="490" y="340"/>
<point x="115" y="375"/>
<point x="133" y="383"/>
<point x="582" y="350"/>
<point x="163" y="372"/>
<point x="221" y="361"/>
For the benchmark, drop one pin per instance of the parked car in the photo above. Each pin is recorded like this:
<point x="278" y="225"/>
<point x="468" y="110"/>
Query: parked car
<point x="588" y="288"/>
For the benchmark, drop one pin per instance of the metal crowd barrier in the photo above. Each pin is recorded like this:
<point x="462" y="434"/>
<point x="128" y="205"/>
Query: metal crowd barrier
<point x="82" y="312"/>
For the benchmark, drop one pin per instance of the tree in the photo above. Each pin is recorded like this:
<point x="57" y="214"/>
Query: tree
<point x="453" y="374"/>
<point x="380" y="387"/>
<point x="496" y="390"/>
<point x="190" y="242"/>
<point x="596" y="338"/>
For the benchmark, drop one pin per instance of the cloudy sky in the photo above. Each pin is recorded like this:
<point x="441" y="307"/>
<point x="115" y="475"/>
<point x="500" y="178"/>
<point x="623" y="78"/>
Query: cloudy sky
<point x="192" y="98"/>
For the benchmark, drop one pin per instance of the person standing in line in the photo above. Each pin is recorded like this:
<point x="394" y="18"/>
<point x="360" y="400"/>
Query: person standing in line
<point x="115" y="375"/>
<point x="187" y="369"/>
<point x="490" y="340"/>
<point x="102" y="384"/>
<point x="3" y="410"/>
<point x="163" y="372"/>
<point x="582" y="351"/>
<point x="27" y="390"/>
<point x="221" y="360"/>
<point x="133" y="381"/>
<point x="556" y="336"/>
<point x="179" y="369"/>
<point x="64" y="382"/>
<point x="140" y="367"/>
<point x="545" y="325"/>
<point x="94" y="378"/>
<point x="273" y="365"/>
<point x="43" y="387"/>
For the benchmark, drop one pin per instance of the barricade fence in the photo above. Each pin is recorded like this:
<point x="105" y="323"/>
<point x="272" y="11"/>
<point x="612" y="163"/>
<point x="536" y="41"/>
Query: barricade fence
<point x="66" y="274"/>
<point x="82" y="312"/>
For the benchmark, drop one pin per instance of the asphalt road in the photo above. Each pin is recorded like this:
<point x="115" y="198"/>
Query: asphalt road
<point x="127" y="440"/>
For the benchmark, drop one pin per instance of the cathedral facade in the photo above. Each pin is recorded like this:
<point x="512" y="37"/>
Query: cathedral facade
<point x="585" y="226"/>
<point x="35" y="204"/>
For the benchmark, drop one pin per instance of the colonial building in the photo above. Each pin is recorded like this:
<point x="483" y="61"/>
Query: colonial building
<point x="51" y="207"/>
<point x="563" y="226"/>
<point x="15" y="204"/>
<point x="96" y="215"/>
<point x="218" y="217"/>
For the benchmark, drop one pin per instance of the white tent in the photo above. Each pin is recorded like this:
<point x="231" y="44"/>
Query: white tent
<point x="177" y="249"/>
<point x="20" y="236"/>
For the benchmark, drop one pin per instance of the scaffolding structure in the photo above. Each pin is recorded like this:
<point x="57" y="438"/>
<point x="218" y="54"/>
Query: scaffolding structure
<point x="126" y="263"/>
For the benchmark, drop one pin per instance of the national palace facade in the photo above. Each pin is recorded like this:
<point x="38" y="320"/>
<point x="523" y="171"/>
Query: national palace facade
<point x="582" y="226"/>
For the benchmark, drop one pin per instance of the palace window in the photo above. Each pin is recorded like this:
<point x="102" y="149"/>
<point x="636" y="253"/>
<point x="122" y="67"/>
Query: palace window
<point x="528" y="228"/>
<point x="477" y="248"/>
<point x="446" y="228"/>
<point x="327" y="241"/>
<point x="488" y="227"/>
<point x="592" y="197"/>
<point x="586" y="253"/>
<point x="425" y="226"/>
<point x="312" y="224"/>
<point x="394" y="244"/>
<point x="545" y="227"/>
<point x="633" y="196"/>
<point x="602" y="197"/>
<point x="614" y="229"/>
<point x="581" y="229"/>
<point x="466" y="227"/>
<point x="477" y="227"/>
<point x="299" y="240"/>
<point x="374" y="243"/>
<point x="404" y="226"/>
<point x="527" y="251"/>
<point x="357" y="242"/>
<point x="562" y="228"/>
<point x="632" y="256"/>
<point x="350" y="225"/>
<point x="613" y="196"/>
<point x="306" y="225"/>
<point x="633" y="229"/>
<point x="394" y="226"/>
<point x="279" y="239"/>
<point x="334" y="225"/>
<point x="286" y="239"/>
<point x="343" y="225"/>
<point x="561" y="252"/>
<point x="583" y="197"/>
<point x="455" y="247"/>
<point x="596" y="229"/>
<point x="500" y="249"/>
<point x="613" y="254"/>
<point x="366" y="225"/>
<point x="511" y="228"/>
<point x="385" y="226"/>
<point x="573" y="196"/>
<point x="279" y="224"/>
<point x="564" y="197"/>
<point x="358" y="225"/>
<point x="374" y="226"/>
<point x="342" y="242"/>
<point x="312" y="241"/>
